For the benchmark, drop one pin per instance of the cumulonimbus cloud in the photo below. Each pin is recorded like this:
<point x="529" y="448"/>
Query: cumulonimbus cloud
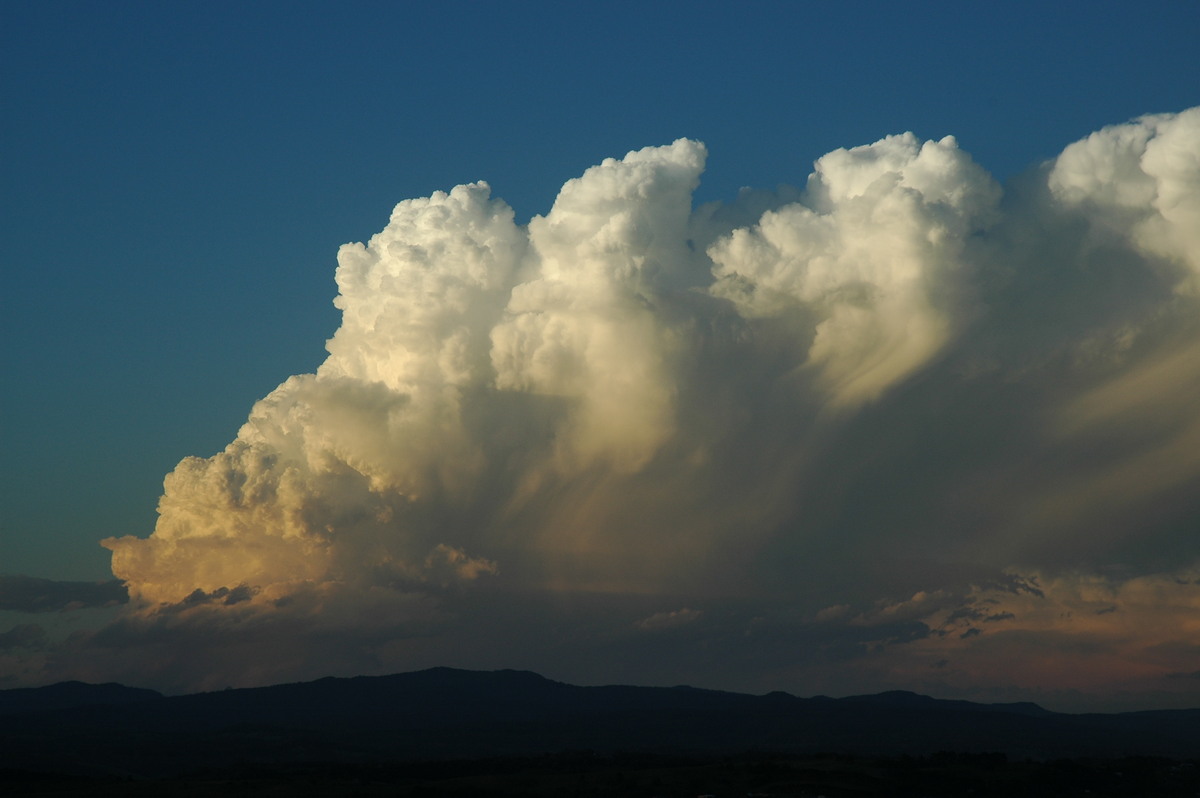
<point x="901" y="370"/>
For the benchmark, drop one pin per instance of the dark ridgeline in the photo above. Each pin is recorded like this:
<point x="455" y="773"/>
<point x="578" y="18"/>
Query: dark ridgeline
<point x="448" y="716"/>
<point x="70" y="695"/>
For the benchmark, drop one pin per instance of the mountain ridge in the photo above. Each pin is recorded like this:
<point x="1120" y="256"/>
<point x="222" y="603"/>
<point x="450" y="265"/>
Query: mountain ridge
<point x="442" y="714"/>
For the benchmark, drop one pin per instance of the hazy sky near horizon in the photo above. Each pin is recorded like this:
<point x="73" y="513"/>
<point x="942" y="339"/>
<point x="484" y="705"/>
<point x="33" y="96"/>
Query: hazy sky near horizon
<point x="918" y="412"/>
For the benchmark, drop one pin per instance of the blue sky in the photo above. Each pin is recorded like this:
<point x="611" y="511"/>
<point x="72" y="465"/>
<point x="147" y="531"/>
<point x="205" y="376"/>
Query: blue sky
<point x="178" y="177"/>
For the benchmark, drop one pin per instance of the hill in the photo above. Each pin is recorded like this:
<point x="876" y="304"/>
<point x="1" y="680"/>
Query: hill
<point x="446" y="715"/>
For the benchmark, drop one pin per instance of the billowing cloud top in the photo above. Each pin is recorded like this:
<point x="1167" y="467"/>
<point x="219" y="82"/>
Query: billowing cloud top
<point x="856" y="414"/>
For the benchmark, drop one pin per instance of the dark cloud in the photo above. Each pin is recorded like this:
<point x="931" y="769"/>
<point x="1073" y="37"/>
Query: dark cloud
<point x="23" y="636"/>
<point x="1191" y="675"/>
<point x="31" y="594"/>
<point x="221" y="595"/>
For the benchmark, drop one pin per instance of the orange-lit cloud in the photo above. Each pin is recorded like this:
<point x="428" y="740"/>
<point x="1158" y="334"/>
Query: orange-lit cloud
<point x="1063" y="638"/>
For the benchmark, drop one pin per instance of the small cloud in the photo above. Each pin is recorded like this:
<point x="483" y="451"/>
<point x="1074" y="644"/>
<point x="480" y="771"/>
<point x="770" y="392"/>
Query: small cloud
<point x="221" y="595"/>
<point x="668" y="620"/>
<point x="1016" y="584"/>
<point x="449" y="564"/>
<point x="966" y="613"/>
<point x="972" y="632"/>
<point x="833" y="613"/>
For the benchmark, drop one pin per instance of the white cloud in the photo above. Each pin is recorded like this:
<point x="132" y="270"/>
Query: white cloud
<point x="874" y="260"/>
<point x="1141" y="182"/>
<point x="844" y="397"/>
<point x="592" y="322"/>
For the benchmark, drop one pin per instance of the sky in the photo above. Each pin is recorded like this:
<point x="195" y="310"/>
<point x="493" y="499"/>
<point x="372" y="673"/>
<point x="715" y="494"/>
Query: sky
<point x="827" y="348"/>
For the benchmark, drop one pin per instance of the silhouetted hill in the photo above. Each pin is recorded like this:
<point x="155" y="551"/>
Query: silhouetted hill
<point x="69" y="695"/>
<point x="904" y="698"/>
<point x="443" y="714"/>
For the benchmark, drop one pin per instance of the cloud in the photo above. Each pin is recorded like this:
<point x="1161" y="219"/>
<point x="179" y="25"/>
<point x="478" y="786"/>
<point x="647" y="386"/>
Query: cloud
<point x="28" y="636"/>
<point x="668" y="620"/>
<point x="875" y="261"/>
<point x="593" y="323"/>
<point x="31" y="594"/>
<point x="1083" y="632"/>
<point x="897" y="418"/>
<point x="1139" y="182"/>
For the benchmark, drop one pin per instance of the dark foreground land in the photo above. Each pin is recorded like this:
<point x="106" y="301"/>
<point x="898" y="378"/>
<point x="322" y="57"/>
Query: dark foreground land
<point x="585" y="775"/>
<point x="458" y="733"/>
